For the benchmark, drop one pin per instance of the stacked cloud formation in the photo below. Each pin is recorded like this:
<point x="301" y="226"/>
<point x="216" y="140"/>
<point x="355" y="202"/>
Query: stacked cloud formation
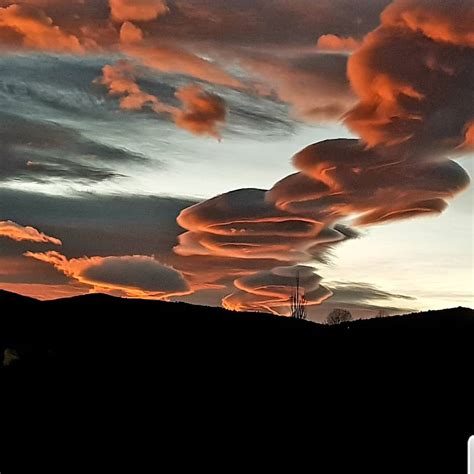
<point x="271" y="290"/>
<point x="414" y="77"/>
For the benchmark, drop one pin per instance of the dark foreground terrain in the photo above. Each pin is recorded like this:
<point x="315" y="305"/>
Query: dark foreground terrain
<point x="225" y="391"/>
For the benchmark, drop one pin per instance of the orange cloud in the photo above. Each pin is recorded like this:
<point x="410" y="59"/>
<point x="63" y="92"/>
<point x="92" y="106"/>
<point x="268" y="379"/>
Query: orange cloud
<point x="438" y="20"/>
<point x="337" y="43"/>
<point x="243" y="224"/>
<point x="136" y="276"/>
<point x="342" y="179"/>
<point x="130" y="33"/>
<point x="31" y="28"/>
<point x="413" y="76"/>
<point x="469" y="136"/>
<point x="271" y="290"/>
<point x="246" y="232"/>
<point x="120" y="80"/>
<point x="173" y="59"/>
<point x="16" y="232"/>
<point x="202" y="112"/>
<point x="42" y="291"/>
<point x="138" y="10"/>
<point x="313" y="84"/>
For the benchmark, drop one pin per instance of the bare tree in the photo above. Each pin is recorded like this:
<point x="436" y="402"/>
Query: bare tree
<point x="298" y="302"/>
<point x="338" y="316"/>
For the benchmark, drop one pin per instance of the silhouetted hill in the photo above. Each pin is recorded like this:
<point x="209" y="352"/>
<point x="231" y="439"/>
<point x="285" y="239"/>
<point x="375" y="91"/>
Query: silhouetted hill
<point x="93" y="316"/>
<point x="124" y="363"/>
<point x="65" y="330"/>
<point x="8" y="298"/>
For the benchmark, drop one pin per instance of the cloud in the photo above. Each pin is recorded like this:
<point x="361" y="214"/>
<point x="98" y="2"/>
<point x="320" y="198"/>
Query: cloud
<point x="16" y="232"/>
<point x="271" y="290"/>
<point x="135" y="276"/>
<point x="138" y="10"/>
<point x="29" y="27"/>
<point x="120" y="80"/>
<point x="337" y="43"/>
<point x="274" y="23"/>
<point x="413" y="91"/>
<point x="356" y="292"/>
<point x="130" y="33"/>
<point x="342" y="179"/>
<point x="439" y="20"/>
<point x="52" y="151"/>
<point x="415" y="85"/>
<point x="201" y="113"/>
<point x="314" y="84"/>
<point x="245" y="226"/>
<point x="175" y="59"/>
<point x="469" y="136"/>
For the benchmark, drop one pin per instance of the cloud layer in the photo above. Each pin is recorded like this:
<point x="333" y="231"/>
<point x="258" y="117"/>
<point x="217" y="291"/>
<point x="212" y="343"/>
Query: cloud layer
<point x="29" y="27"/>
<point x="414" y="78"/>
<point x="201" y="112"/>
<point x="135" y="276"/>
<point x="19" y="233"/>
<point x="271" y="290"/>
<point x="402" y="83"/>
<point x="139" y="10"/>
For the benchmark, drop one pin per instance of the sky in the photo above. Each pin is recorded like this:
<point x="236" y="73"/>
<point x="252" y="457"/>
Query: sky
<point x="215" y="151"/>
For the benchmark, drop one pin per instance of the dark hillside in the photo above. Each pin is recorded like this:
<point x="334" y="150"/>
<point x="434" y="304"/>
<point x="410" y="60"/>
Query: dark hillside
<point x="356" y="395"/>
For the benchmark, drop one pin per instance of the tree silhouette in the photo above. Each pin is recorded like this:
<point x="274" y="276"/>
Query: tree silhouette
<point x="298" y="302"/>
<point x="338" y="316"/>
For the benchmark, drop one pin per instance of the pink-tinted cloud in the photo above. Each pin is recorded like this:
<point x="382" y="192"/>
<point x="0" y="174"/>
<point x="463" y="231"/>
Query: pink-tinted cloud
<point x="136" y="276"/>
<point x="137" y="10"/>
<point x="337" y="43"/>
<point x="29" y="27"/>
<point x="19" y="233"/>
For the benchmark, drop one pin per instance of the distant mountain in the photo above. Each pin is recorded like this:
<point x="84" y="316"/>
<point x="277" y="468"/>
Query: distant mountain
<point x="68" y="311"/>
<point x="70" y="330"/>
<point x="6" y="297"/>
<point x="366" y="381"/>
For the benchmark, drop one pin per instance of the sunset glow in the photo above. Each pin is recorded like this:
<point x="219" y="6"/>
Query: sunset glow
<point x="214" y="152"/>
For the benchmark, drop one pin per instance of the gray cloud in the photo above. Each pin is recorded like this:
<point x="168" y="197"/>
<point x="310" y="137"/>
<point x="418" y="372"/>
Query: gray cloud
<point x="37" y="151"/>
<point x="353" y="292"/>
<point x="143" y="273"/>
<point x="99" y="225"/>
